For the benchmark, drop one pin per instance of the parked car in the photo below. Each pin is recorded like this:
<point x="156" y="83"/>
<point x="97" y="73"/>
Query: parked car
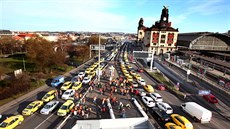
<point x="171" y="125"/>
<point x="149" y="88"/>
<point x="68" y="94"/>
<point x="210" y="98"/>
<point x="161" y="87"/>
<point x="49" y="96"/>
<point x="134" y="84"/>
<point x="141" y="82"/>
<point x="86" y="80"/>
<point x="57" y="81"/>
<point x="11" y="122"/>
<point x="160" y="114"/>
<point x="148" y="101"/>
<point x="181" y="121"/>
<point x="65" y="108"/>
<point x="49" y="107"/>
<point x="81" y="74"/>
<point x="32" y="107"/>
<point x="165" y="106"/>
<point x="66" y="85"/>
<point x="77" y="85"/>
<point x="156" y="97"/>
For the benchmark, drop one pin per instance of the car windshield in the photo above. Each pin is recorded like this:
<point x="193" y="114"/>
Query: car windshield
<point x="67" y="92"/>
<point x="47" y="95"/>
<point x="64" y="107"/>
<point x="165" y="116"/>
<point x="169" y="108"/>
<point x="159" y="97"/>
<point x="150" y="101"/>
<point x="213" y="98"/>
<point x="29" y="107"/>
<point x="47" y="106"/>
<point x="65" y="85"/>
<point x="3" y="124"/>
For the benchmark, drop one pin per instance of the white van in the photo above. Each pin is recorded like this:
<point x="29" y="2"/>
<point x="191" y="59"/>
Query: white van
<point x="197" y="112"/>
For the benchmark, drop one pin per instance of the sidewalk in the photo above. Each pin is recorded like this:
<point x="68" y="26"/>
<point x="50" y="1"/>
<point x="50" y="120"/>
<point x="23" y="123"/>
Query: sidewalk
<point x="42" y="88"/>
<point x="203" y="78"/>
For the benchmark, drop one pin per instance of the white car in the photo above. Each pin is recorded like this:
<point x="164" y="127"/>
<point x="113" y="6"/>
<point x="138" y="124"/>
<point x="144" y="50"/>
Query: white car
<point x="135" y="84"/>
<point x="86" y="80"/>
<point x="148" y="101"/>
<point x="165" y="106"/>
<point x="49" y="107"/>
<point x="141" y="92"/>
<point x="141" y="81"/>
<point x="81" y="74"/>
<point x="68" y="94"/>
<point x="156" y="97"/>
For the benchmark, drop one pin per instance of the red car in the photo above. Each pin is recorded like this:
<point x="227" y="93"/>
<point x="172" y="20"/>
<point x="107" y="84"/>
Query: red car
<point x="161" y="87"/>
<point x="140" y="70"/>
<point x="210" y="98"/>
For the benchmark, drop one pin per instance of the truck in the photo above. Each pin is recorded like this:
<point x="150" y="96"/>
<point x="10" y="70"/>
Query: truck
<point x="57" y="81"/>
<point x="197" y="112"/>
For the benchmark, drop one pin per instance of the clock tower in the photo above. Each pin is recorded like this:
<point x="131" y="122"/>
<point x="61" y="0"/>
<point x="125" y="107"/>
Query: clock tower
<point x="164" y="21"/>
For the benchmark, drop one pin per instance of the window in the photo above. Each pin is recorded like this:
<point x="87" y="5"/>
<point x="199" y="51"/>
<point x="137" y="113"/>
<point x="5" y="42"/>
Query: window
<point x="140" y="33"/>
<point x="162" y="38"/>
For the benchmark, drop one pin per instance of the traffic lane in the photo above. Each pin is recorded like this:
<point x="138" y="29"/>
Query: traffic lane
<point x="217" y="92"/>
<point x="18" y="108"/>
<point x="205" y="104"/>
<point x="221" y="106"/>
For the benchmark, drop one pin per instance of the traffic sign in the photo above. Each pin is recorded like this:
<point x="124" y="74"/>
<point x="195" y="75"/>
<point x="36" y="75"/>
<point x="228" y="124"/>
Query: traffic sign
<point x="204" y="92"/>
<point x="141" y="54"/>
<point x="96" y="47"/>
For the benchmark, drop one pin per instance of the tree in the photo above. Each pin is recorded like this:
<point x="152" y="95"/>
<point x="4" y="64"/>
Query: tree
<point x="42" y="53"/>
<point x="8" y="45"/>
<point x="94" y="39"/>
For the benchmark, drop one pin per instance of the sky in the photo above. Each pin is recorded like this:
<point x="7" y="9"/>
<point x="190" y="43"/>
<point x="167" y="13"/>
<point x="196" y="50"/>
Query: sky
<point x="113" y="15"/>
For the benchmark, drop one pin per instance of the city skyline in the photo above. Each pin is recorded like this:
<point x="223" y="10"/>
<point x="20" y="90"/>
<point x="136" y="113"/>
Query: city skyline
<point x="113" y="15"/>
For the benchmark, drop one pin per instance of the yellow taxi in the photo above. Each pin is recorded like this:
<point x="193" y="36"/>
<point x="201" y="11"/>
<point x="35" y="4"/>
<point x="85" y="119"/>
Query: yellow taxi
<point x="65" y="108"/>
<point x="130" y="78"/>
<point x="88" y="70"/>
<point x="91" y="68"/>
<point x="32" y="107"/>
<point x="77" y="85"/>
<point x="11" y="122"/>
<point x="49" y="96"/>
<point x="92" y="74"/>
<point x="66" y="85"/>
<point x="94" y="65"/>
<point x="149" y="88"/>
<point x="126" y="74"/>
<point x="129" y="66"/>
<point x="181" y="121"/>
<point x="137" y="76"/>
<point x="170" y="125"/>
<point x="133" y="73"/>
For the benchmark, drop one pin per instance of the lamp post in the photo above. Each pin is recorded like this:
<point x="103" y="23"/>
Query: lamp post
<point x="151" y="65"/>
<point x="99" y="54"/>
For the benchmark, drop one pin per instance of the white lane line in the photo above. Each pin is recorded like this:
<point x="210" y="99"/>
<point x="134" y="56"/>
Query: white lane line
<point x="43" y="122"/>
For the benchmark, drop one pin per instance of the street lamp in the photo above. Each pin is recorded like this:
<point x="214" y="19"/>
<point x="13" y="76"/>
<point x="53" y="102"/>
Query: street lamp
<point x="151" y="65"/>
<point x="99" y="54"/>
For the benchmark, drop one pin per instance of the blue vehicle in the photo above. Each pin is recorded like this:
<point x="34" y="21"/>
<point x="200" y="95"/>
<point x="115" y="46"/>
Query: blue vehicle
<point x="57" y="81"/>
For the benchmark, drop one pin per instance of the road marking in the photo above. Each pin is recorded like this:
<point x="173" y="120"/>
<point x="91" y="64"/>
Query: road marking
<point x="43" y="122"/>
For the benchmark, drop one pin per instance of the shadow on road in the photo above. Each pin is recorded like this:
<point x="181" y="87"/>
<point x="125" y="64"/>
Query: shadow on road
<point x="22" y="106"/>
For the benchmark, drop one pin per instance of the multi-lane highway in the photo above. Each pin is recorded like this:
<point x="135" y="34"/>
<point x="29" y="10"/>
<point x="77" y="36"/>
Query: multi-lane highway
<point x="221" y="111"/>
<point x="220" y="119"/>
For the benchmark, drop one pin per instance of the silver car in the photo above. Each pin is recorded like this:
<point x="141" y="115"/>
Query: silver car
<point x="49" y="107"/>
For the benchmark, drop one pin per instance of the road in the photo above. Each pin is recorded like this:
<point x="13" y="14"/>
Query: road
<point x="220" y="119"/>
<point x="37" y="120"/>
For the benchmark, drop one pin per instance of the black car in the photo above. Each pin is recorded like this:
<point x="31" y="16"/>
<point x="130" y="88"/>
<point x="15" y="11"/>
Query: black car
<point x="161" y="115"/>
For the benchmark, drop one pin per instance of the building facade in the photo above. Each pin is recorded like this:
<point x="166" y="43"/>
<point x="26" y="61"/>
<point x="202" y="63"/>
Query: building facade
<point x="161" y="37"/>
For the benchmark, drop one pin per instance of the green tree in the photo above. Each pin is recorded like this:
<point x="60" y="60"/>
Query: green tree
<point x="43" y="54"/>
